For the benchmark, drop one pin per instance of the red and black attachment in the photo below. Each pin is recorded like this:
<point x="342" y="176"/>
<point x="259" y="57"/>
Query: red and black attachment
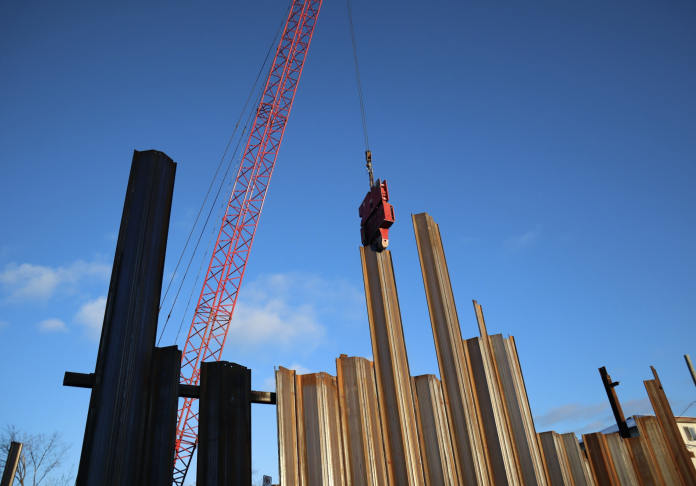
<point x="376" y="216"/>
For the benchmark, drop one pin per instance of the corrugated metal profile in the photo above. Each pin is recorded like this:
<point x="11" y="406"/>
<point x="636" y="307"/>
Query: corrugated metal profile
<point x="434" y="433"/>
<point x="392" y="370"/>
<point x="360" y="422"/>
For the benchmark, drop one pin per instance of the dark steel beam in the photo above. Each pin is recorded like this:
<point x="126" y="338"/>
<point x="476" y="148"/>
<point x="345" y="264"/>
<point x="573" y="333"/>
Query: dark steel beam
<point x="224" y="429"/>
<point x="690" y="365"/>
<point x="11" y="463"/>
<point x="160" y="437"/>
<point x="114" y="441"/>
<point x="614" y="402"/>
<point x="78" y="380"/>
<point x="86" y="380"/>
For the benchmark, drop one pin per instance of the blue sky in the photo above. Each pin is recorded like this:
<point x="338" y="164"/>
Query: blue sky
<point x="554" y="143"/>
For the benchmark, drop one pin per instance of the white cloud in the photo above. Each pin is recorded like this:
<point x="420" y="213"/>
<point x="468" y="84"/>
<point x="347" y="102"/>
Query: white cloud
<point x="283" y="312"/>
<point x="299" y="369"/>
<point x="275" y="322"/>
<point x="518" y="243"/>
<point x="91" y="315"/>
<point x="584" y="418"/>
<point x="572" y="413"/>
<point x="637" y="406"/>
<point x="52" y="325"/>
<point x="27" y="281"/>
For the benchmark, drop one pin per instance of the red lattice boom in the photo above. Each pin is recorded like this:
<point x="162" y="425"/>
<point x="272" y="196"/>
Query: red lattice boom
<point x="215" y="307"/>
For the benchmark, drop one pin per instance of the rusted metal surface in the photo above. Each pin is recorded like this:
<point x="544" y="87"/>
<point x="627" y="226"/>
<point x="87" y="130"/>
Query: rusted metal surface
<point x="434" y="433"/>
<point x="392" y="370"/>
<point x="492" y="414"/>
<point x="13" y="455"/>
<point x="600" y="459"/>
<point x="557" y="464"/>
<point x="578" y="466"/>
<point x="644" y="463"/>
<point x="288" y="465"/>
<point x="670" y="430"/>
<point x="470" y="461"/>
<point x="488" y="412"/>
<point x="525" y="410"/>
<point x="621" y="460"/>
<point x="113" y="442"/>
<point x="609" y="387"/>
<point x="224" y="429"/>
<point x="320" y="442"/>
<point x="530" y="476"/>
<point x="360" y="422"/>
<point x="649" y="429"/>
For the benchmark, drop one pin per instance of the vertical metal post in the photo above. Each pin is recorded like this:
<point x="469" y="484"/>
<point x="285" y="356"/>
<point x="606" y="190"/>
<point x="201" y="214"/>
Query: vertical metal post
<point x="11" y="463"/>
<point x="614" y="402"/>
<point x="160" y="431"/>
<point x="114" y="442"/>
<point x="690" y="365"/>
<point x="224" y="427"/>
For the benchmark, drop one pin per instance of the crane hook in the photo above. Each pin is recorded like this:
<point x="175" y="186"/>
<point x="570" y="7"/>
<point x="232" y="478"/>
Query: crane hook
<point x="368" y="158"/>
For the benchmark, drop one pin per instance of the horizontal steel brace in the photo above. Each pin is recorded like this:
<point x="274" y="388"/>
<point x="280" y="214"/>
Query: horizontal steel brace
<point x="86" y="380"/>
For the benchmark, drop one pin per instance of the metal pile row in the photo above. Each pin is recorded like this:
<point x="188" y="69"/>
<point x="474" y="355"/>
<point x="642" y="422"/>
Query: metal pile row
<point x="657" y="456"/>
<point x="375" y="424"/>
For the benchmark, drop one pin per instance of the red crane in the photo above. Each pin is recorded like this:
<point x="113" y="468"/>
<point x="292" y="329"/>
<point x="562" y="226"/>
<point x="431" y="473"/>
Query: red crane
<point x="215" y="307"/>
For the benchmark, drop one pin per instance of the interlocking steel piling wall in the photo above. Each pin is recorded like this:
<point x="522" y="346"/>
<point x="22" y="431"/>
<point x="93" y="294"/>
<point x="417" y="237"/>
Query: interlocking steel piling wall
<point x="318" y="420"/>
<point x="471" y="468"/>
<point x="360" y="422"/>
<point x="392" y="370"/>
<point x="435" y="440"/>
<point x="288" y="461"/>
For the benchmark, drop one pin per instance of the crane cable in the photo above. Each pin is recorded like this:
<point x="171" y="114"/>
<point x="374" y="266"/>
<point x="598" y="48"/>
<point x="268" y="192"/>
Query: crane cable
<point x="368" y="153"/>
<point x="222" y="181"/>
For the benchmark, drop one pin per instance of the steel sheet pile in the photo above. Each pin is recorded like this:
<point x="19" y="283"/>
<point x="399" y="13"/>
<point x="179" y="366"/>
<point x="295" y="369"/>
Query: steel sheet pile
<point x="375" y="424"/>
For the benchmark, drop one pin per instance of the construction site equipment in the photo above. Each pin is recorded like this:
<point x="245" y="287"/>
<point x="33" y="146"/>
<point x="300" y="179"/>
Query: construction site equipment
<point x="395" y="395"/>
<point x="376" y="217"/>
<point x="609" y="387"/>
<point x="215" y="307"/>
<point x="11" y="463"/>
<point x="454" y="369"/>
<point x="130" y="434"/>
<point x="676" y="446"/>
<point x="399" y="429"/>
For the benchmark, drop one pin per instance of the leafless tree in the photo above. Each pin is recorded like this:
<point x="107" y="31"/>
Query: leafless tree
<point x="41" y="456"/>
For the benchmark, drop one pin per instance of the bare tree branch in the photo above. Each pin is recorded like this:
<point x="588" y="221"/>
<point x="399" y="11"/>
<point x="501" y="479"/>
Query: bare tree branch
<point x="41" y="455"/>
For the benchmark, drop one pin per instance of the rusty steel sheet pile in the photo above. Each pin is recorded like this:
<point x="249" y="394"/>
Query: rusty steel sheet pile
<point x="374" y="424"/>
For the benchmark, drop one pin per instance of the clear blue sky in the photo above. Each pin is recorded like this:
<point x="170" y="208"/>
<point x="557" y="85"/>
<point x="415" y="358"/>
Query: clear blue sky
<point x="554" y="143"/>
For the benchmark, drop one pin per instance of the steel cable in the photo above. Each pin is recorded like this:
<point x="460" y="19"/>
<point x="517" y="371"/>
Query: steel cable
<point x="357" y="76"/>
<point x="280" y="27"/>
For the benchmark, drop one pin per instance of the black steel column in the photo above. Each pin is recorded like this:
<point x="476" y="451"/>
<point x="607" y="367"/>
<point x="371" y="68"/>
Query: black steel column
<point x="614" y="402"/>
<point x="13" y="455"/>
<point x="224" y="427"/>
<point x="160" y="434"/>
<point x="115" y="432"/>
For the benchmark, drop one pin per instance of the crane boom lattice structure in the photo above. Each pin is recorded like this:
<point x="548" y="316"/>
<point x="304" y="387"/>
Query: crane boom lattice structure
<point x="215" y="307"/>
